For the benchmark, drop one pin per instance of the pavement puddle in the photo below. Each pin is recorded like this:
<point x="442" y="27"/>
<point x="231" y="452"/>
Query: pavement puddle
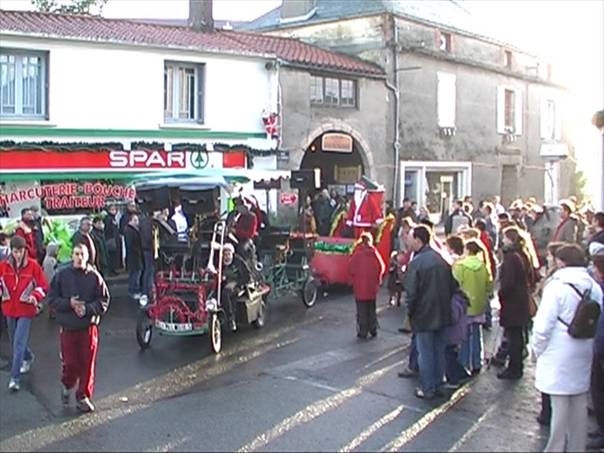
<point x="316" y="409"/>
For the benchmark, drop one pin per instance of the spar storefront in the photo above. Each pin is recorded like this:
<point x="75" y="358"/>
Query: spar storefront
<point x="71" y="180"/>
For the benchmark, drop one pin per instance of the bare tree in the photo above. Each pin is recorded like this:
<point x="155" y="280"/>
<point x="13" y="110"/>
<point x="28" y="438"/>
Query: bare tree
<point x="71" y="7"/>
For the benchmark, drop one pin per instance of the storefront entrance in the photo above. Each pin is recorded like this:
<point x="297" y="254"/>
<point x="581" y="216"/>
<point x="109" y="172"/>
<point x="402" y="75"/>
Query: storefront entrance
<point x="338" y="157"/>
<point x="436" y="185"/>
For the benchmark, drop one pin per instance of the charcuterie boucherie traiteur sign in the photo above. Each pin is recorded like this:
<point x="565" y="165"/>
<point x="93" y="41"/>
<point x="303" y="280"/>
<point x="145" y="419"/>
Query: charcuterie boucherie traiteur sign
<point x="70" y="195"/>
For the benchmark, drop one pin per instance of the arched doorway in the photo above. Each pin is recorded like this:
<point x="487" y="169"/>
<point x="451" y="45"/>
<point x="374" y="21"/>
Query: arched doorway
<point x="338" y="156"/>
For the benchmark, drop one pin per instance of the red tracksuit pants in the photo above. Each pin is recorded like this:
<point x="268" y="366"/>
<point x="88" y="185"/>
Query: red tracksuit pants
<point x="78" y="356"/>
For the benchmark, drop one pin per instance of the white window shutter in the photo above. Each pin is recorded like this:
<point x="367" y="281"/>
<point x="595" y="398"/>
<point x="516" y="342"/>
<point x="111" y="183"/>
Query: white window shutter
<point x="500" y="110"/>
<point x="558" y="121"/>
<point x="544" y="118"/>
<point x="446" y="99"/>
<point x="518" y="113"/>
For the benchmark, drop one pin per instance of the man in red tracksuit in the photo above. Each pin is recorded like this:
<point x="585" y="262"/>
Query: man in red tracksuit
<point x="22" y="288"/>
<point x="80" y="296"/>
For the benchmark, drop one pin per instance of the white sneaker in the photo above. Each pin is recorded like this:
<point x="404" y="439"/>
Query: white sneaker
<point x="13" y="385"/>
<point x="26" y="365"/>
<point x="137" y="296"/>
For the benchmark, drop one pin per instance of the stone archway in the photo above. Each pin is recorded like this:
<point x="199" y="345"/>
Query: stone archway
<point x="335" y="125"/>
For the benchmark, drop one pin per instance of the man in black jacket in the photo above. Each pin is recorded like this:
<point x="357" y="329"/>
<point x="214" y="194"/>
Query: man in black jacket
<point x="134" y="256"/>
<point x="429" y="285"/>
<point x="457" y="218"/>
<point x="148" y="248"/>
<point x="80" y="297"/>
<point x="113" y="240"/>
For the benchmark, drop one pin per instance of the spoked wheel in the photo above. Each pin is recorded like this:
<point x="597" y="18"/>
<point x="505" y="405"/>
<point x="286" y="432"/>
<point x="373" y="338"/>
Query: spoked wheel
<point x="144" y="329"/>
<point x="310" y="292"/>
<point x="215" y="334"/>
<point x="260" y="320"/>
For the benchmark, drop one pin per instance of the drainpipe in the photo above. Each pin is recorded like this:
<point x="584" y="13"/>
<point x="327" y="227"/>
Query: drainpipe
<point x="394" y="87"/>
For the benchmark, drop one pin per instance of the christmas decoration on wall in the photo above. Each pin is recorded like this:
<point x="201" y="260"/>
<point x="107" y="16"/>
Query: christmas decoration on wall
<point x="270" y="124"/>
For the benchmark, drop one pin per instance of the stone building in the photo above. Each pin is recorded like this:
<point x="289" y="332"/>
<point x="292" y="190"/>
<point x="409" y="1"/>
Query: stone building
<point x="467" y="114"/>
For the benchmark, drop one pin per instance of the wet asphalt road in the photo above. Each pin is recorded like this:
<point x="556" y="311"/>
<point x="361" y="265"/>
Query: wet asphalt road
<point x="302" y="383"/>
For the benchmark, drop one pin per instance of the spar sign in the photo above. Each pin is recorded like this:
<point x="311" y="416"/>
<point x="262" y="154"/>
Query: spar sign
<point x="70" y="195"/>
<point x="83" y="161"/>
<point x="40" y="161"/>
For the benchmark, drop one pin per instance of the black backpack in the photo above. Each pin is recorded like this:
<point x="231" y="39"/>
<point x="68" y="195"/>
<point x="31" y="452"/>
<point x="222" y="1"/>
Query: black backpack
<point x="587" y="314"/>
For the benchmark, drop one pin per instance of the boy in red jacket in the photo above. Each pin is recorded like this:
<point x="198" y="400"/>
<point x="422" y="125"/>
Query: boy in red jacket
<point x="23" y="286"/>
<point x="366" y="269"/>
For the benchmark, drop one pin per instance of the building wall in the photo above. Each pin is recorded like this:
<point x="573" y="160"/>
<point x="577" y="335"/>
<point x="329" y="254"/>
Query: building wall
<point x="367" y="123"/>
<point x="117" y="87"/>
<point x="479" y="68"/>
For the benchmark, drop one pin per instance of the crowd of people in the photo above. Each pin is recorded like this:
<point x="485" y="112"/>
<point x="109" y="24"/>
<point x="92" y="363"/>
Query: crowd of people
<point x="543" y="268"/>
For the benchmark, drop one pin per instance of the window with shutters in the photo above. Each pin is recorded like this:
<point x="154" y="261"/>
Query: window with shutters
<point x="551" y="120"/>
<point x="510" y="101"/>
<point x="446" y="98"/>
<point x="183" y="92"/>
<point x="509" y="110"/>
<point x="23" y="84"/>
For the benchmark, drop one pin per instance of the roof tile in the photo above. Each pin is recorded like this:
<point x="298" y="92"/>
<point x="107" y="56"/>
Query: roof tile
<point x="133" y="32"/>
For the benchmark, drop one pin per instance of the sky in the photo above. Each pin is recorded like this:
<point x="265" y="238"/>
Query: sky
<point x="569" y="33"/>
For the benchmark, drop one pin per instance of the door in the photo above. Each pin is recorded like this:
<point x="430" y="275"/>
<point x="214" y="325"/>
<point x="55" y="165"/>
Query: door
<point x="509" y="184"/>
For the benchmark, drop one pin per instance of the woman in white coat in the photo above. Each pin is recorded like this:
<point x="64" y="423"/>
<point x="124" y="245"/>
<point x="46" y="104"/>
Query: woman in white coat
<point x="564" y="363"/>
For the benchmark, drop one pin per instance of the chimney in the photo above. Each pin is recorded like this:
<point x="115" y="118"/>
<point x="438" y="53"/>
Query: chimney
<point x="200" y="15"/>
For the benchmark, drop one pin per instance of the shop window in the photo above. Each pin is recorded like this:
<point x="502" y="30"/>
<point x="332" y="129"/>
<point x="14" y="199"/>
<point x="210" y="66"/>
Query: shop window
<point x="333" y="92"/>
<point x="23" y="85"/>
<point x="183" y="92"/>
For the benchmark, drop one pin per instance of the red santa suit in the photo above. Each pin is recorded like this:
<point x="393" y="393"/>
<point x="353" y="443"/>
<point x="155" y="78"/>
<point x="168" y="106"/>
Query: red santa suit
<point x="365" y="209"/>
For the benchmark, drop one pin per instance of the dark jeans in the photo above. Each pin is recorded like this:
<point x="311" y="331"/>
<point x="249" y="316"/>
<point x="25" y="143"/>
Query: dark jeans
<point x="148" y="272"/>
<point x="431" y="349"/>
<point x="18" y="332"/>
<point x="228" y="300"/>
<point x="454" y="370"/>
<point x="134" y="282"/>
<point x="114" y="261"/>
<point x="597" y="391"/>
<point x="546" y="408"/>
<point x="413" y="363"/>
<point x="366" y="317"/>
<point x="515" y="337"/>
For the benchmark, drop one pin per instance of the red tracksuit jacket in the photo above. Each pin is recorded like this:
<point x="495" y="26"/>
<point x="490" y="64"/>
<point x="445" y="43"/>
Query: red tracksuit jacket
<point x="17" y="283"/>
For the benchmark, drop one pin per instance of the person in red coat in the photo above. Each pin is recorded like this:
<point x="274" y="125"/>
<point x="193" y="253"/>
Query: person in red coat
<point x="25" y="229"/>
<point x="22" y="286"/>
<point x="366" y="270"/>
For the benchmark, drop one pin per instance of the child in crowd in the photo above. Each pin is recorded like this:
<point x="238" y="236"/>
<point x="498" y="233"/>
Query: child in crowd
<point x="49" y="265"/>
<point x="4" y="246"/>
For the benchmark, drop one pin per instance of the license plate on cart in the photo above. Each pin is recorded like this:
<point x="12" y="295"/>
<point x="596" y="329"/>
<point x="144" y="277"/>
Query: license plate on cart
<point x="173" y="326"/>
